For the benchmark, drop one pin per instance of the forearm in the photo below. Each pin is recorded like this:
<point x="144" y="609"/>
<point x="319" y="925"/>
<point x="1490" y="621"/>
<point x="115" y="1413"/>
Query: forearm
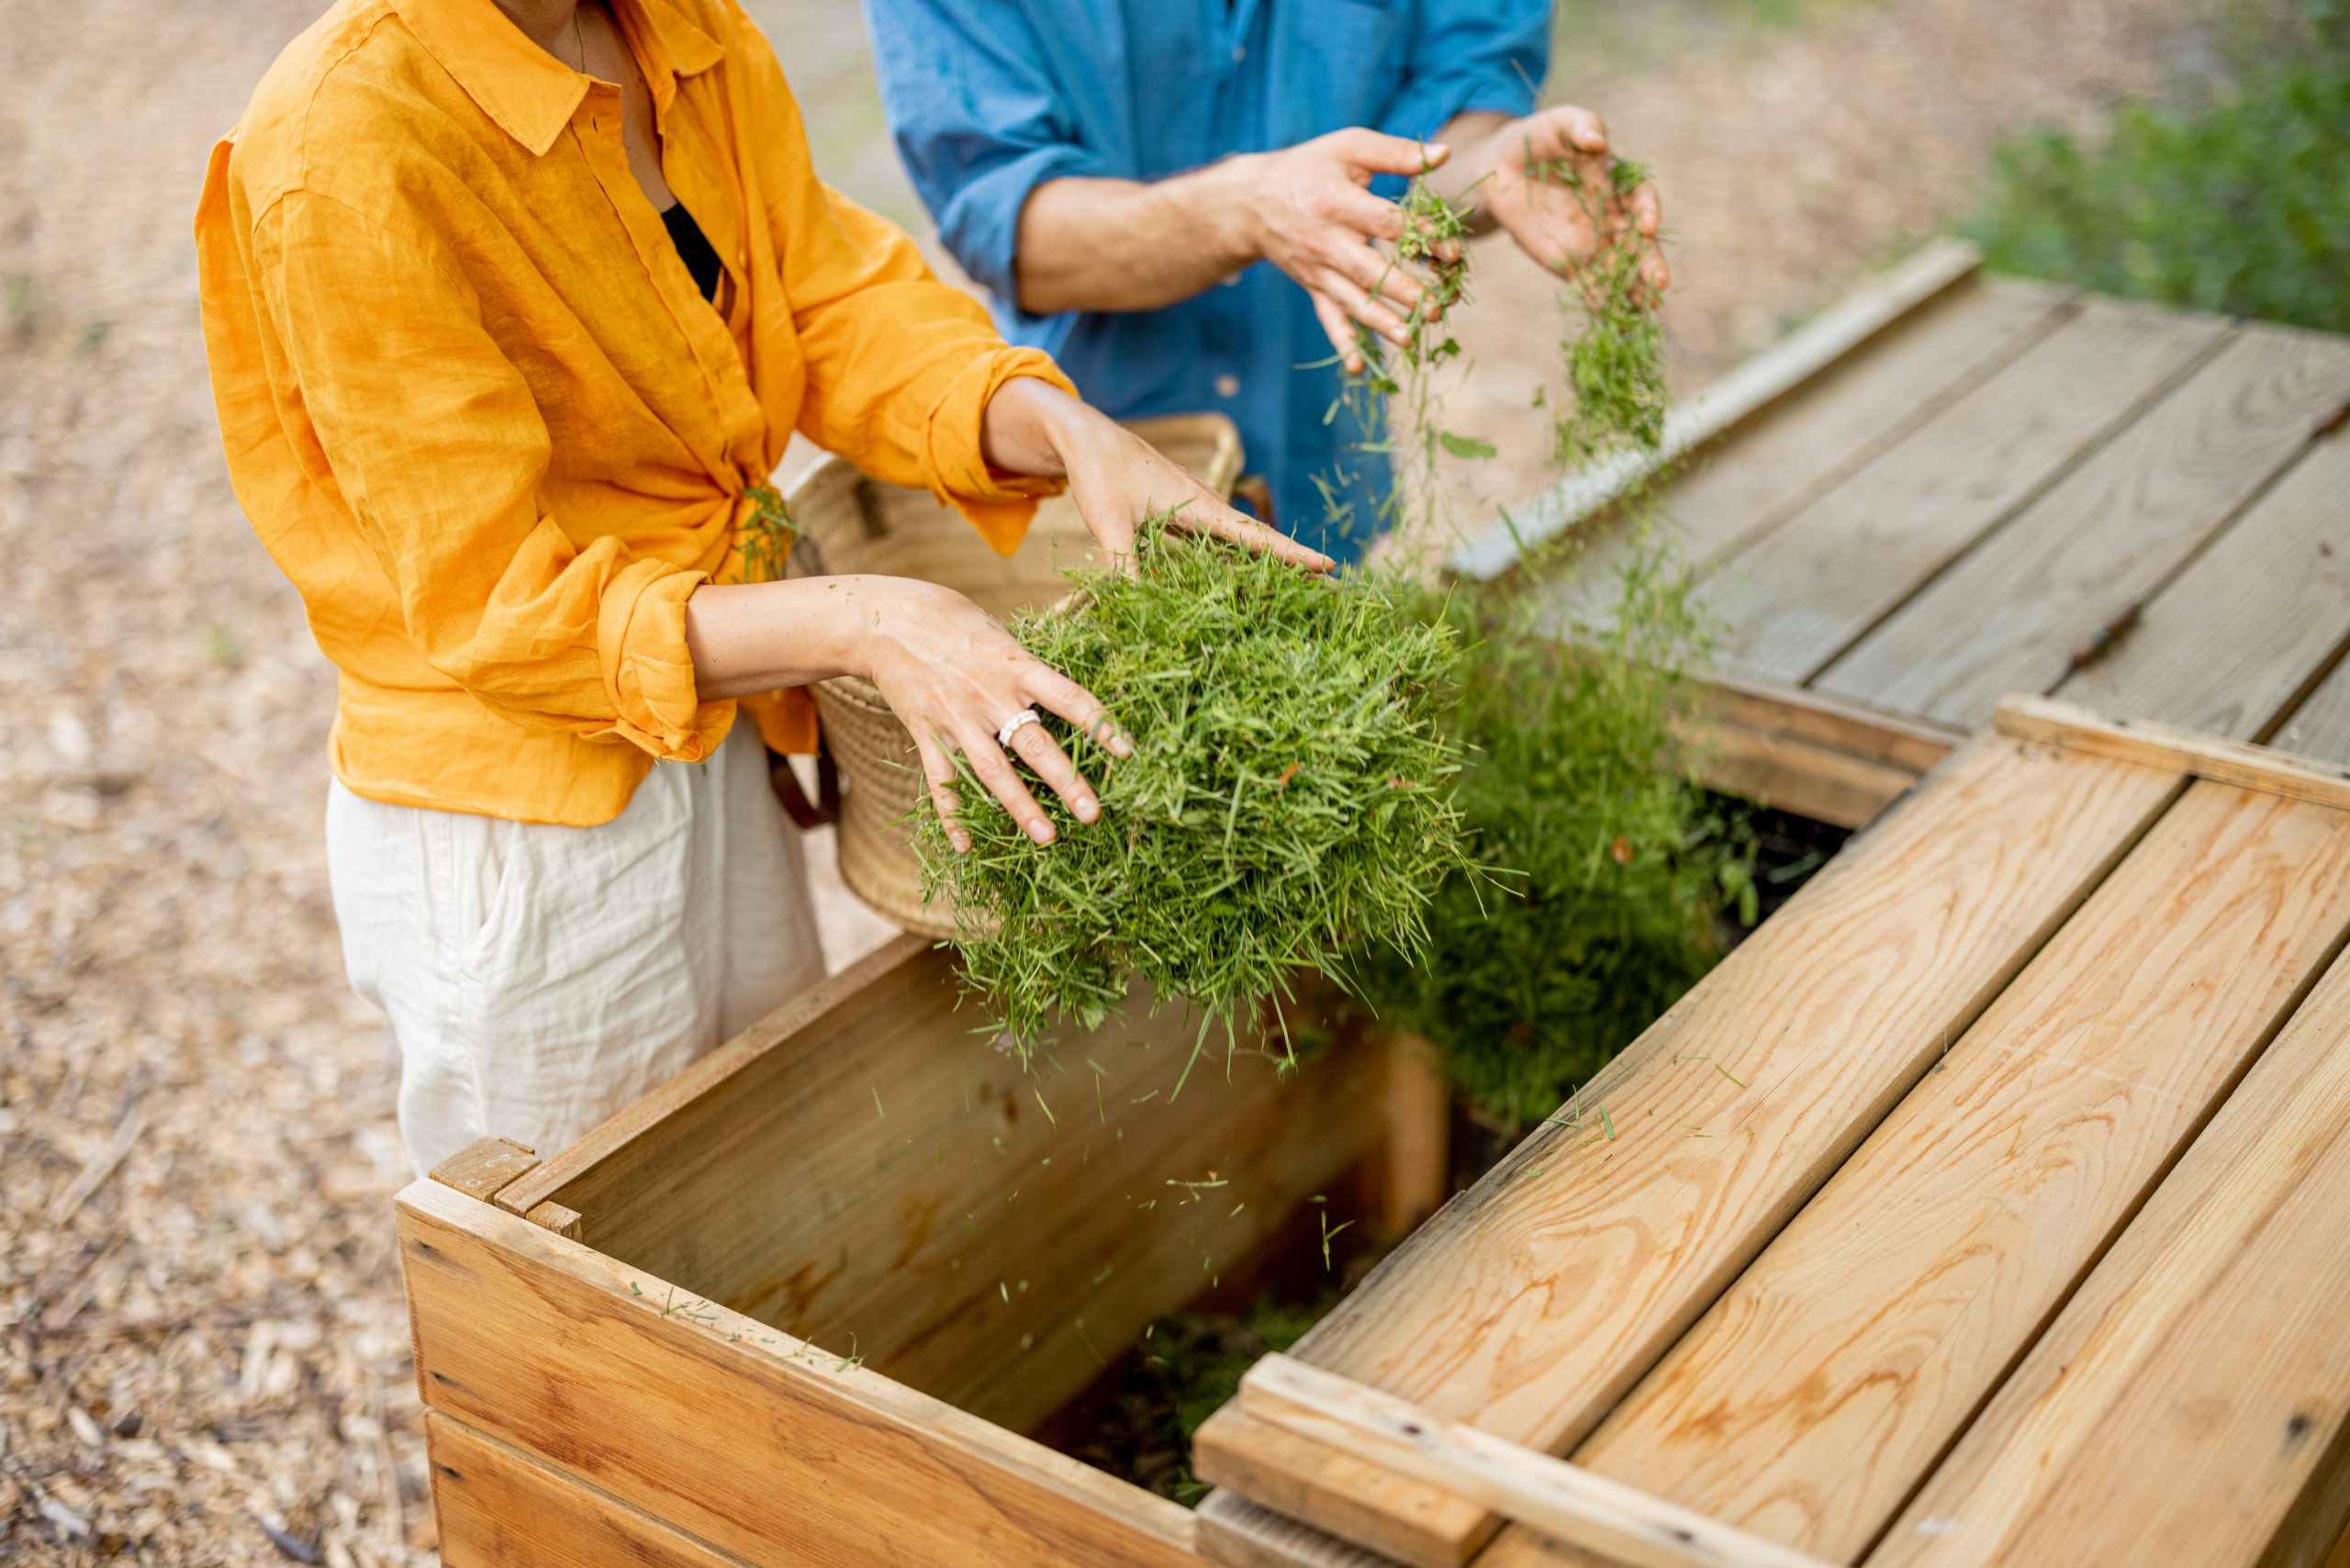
<point x="1096" y="244"/>
<point x="746" y="637"/>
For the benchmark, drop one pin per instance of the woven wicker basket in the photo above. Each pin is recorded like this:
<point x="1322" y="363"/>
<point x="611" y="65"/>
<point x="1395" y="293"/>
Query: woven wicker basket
<point x="848" y="522"/>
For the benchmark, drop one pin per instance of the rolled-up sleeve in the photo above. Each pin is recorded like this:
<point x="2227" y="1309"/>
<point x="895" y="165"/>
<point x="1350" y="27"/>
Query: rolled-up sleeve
<point x="1471" y="54"/>
<point x="431" y="437"/>
<point x="979" y="124"/>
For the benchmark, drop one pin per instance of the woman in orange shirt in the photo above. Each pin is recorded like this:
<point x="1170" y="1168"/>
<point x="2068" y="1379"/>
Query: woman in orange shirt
<point x="509" y="303"/>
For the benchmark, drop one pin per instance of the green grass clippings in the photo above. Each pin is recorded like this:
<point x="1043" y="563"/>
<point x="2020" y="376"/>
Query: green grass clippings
<point x="1291" y="794"/>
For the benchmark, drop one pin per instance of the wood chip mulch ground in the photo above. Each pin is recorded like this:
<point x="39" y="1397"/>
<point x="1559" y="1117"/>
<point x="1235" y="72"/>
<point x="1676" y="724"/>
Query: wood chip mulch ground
<point x="202" y="1355"/>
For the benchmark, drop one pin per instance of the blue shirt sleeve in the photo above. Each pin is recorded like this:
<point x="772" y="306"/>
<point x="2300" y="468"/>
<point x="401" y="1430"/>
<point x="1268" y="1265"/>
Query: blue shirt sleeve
<point x="1478" y="55"/>
<point x="977" y="121"/>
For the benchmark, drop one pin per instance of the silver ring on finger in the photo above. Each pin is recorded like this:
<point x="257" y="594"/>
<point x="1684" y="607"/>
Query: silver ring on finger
<point x="1017" y="723"/>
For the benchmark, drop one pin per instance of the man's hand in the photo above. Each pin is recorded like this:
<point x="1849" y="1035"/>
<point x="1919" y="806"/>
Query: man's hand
<point x="1549" y="183"/>
<point x="1115" y="477"/>
<point x="1315" y="218"/>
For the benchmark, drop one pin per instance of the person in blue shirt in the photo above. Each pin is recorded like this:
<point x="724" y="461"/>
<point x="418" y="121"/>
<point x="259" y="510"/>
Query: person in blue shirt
<point x="1177" y="198"/>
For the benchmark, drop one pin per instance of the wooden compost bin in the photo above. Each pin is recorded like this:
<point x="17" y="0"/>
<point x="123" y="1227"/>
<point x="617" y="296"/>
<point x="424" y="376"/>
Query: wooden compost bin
<point x="1951" y="486"/>
<point x="601" y="1338"/>
<point x="1990" y="1206"/>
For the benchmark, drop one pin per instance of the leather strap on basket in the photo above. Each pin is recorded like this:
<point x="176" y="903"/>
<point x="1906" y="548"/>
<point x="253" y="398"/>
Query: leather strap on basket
<point x="1258" y="492"/>
<point x="806" y="813"/>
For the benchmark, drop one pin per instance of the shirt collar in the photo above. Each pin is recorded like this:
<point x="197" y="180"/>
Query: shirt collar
<point x="528" y="92"/>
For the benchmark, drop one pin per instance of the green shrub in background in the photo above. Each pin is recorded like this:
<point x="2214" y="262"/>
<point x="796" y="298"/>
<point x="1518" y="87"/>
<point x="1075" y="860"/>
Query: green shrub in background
<point x="2240" y="205"/>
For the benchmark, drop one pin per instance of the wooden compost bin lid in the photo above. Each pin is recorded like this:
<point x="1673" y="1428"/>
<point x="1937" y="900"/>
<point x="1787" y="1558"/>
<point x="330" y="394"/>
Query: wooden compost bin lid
<point x="1990" y="1205"/>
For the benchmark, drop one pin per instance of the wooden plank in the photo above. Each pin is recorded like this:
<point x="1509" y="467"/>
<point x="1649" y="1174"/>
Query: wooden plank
<point x="1814" y="1396"/>
<point x="2191" y="1392"/>
<point x="553" y="1216"/>
<point x="1796" y="599"/>
<point x="1748" y="388"/>
<point x="1793" y="775"/>
<point x="731" y="1431"/>
<point x="2010" y="616"/>
<point x="1637" y="1528"/>
<point x="1237" y="1533"/>
<point x="1533" y="1302"/>
<point x="1823" y="431"/>
<point x="1818" y="756"/>
<point x="496" y="1505"/>
<point x="1407" y="1518"/>
<point x="1418" y="1173"/>
<point x="2044" y="721"/>
<point x="633" y="1133"/>
<point x="1856" y="729"/>
<point x="870" y="1175"/>
<point x="484" y="1166"/>
<point x="2319" y="727"/>
<point x="2238" y="639"/>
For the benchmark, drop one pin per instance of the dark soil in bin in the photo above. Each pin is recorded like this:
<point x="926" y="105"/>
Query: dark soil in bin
<point x="1787" y="850"/>
<point x="1137" y="1420"/>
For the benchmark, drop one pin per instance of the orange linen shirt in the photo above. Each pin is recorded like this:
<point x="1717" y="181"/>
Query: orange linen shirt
<point x="480" y="414"/>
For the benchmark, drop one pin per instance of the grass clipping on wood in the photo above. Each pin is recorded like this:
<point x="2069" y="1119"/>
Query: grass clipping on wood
<point x="1290" y="794"/>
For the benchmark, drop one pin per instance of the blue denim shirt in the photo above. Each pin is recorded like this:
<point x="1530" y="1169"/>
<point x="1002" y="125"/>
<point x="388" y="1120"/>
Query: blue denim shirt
<point x="990" y="98"/>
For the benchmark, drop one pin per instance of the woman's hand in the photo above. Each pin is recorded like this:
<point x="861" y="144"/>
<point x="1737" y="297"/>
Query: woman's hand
<point x="1115" y="477"/>
<point x="952" y="675"/>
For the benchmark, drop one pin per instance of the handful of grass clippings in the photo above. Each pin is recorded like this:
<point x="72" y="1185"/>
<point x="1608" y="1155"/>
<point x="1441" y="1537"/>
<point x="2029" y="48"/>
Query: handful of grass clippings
<point x="1290" y="793"/>
<point x="1611" y="339"/>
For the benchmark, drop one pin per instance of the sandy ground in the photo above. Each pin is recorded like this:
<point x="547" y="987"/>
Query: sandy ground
<point x="202" y="1351"/>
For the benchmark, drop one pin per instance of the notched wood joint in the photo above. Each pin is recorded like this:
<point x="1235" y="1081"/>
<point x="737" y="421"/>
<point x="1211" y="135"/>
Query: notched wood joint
<point x="484" y="1165"/>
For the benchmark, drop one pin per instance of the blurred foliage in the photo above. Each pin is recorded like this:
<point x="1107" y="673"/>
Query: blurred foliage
<point x="2240" y="203"/>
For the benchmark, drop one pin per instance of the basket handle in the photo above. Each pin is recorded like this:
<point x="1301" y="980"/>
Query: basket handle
<point x="1258" y="492"/>
<point x="806" y="813"/>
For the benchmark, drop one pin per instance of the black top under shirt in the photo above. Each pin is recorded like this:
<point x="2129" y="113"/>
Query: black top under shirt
<point x="694" y="250"/>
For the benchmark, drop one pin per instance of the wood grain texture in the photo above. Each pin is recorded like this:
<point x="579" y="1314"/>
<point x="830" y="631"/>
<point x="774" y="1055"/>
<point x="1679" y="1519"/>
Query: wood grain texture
<point x="484" y="1165"/>
<point x="2232" y="644"/>
<point x="2319" y="727"/>
<point x="1796" y="599"/>
<point x="1237" y="1533"/>
<point x="1415" y="1520"/>
<point x="2186" y="1402"/>
<point x="1418" y="1173"/>
<point x="1634" y="1528"/>
<point x="876" y="1179"/>
<point x="731" y="1431"/>
<point x="1793" y="775"/>
<point x="624" y="1139"/>
<point x="1533" y="1302"/>
<point x="1825" y="428"/>
<point x="1750" y="387"/>
<point x="1858" y="729"/>
<point x="2046" y="721"/>
<point x="1801" y="751"/>
<point x="1813" y="1398"/>
<point x="2010" y="615"/>
<point x="500" y="1506"/>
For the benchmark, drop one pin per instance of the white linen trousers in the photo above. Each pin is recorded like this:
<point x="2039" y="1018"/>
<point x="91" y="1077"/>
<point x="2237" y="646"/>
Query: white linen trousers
<point x="535" y="979"/>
